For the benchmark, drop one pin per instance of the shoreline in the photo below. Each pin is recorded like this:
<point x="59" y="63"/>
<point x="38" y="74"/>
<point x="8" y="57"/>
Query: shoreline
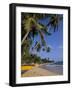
<point x="38" y="71"/>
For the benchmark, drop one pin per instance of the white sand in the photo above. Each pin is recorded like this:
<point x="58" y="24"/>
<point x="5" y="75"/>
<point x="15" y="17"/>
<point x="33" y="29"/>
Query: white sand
<point x="36" y="71"/>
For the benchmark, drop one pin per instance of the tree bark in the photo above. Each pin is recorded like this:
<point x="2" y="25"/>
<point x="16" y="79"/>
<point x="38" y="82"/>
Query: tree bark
<point x="24" y="37"/>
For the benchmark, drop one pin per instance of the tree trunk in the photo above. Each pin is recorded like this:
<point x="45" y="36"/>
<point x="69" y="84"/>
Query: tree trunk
<point x="24" y="37"/>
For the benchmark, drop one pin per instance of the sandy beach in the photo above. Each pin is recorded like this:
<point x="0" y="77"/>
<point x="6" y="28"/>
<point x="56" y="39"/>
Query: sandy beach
<point x="37" y="71"/>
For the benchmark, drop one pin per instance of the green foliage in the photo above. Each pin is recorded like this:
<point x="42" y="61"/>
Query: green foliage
<point x="30" y="24"/>
<point x="47" y="61"/>
<point x="54" y="21"/>
<point x="30" y="28"/>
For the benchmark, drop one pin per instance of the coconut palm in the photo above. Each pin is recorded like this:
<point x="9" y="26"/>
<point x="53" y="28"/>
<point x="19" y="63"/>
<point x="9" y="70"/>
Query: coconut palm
<point x="54" y="21"/>
<point x="31" y="27"/>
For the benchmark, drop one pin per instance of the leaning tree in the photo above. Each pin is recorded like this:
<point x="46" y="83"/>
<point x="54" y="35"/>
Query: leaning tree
<point x="31" y="27"/>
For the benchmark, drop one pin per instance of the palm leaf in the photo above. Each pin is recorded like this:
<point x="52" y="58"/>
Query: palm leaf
<point x="42" y="38"/>
<point x="54" y="20"/>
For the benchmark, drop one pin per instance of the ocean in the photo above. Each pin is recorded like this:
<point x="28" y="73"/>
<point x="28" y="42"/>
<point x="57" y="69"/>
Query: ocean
<point x="53" y="68"/>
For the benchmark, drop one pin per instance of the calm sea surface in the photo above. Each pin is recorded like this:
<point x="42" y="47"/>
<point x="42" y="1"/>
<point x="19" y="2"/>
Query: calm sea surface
<point x="53" y="68"/>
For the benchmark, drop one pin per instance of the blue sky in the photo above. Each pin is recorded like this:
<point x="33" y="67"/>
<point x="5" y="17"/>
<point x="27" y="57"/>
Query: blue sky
<point x="55" y="41"/>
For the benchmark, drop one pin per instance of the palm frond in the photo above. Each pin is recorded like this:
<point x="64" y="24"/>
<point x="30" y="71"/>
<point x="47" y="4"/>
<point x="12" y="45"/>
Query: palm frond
<point x="54" y="20"/>
<point x="42" y="38"/>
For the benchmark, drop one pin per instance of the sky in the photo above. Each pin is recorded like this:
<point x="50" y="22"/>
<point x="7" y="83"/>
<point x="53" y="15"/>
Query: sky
<point x="54" y="41"/>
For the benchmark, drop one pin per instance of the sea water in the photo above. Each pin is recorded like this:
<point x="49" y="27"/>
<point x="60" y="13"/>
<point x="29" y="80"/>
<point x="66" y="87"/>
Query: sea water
<point x="54" y="68"/>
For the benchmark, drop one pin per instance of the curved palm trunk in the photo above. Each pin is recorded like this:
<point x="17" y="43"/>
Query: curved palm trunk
<point x="24" y="37"/>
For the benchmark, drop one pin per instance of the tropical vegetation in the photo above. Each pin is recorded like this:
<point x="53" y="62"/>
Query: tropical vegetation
<point x="32" y="27"/>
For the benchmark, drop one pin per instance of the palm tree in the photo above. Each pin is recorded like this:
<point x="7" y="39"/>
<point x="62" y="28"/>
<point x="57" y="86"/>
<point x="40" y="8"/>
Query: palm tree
<point x="31" y="27"/>
<point x="54" y="21"/>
